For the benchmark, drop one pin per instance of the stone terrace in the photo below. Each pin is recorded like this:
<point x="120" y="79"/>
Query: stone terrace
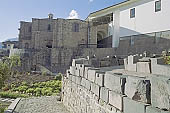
<point x="142" y="86"/>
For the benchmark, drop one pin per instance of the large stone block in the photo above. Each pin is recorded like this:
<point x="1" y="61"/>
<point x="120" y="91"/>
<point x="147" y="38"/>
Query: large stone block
<point x="92" y="74"/>
<point x="73" y="78"/>
<point x="86" y="72"/>
<point x="131" y="106"/>
<point x="143" y="67"/>
<point x="115" y="82"/>
<point x="132" y="67"/>
<point x="132" y="59"/>
<point x="125" y="63"/>
<point x="83" y="82"/>
<point x="100" y="78"/>
<point x="158" y="67"/>
<point x="150" y="109"/>
<point x="88" y="84"/>
<point x="81" y="67"/>
<point x="160" y="92"/>
<point x="77" y="72"/>
<point x="78" y="80"/>
<point x="95" y="89"/>
<point x="72" y="70"/>
<point x="104" y="94"/>
<point x="116" y="100"/>
<point x="79" y="61"/>
<point x="138" y="88"/>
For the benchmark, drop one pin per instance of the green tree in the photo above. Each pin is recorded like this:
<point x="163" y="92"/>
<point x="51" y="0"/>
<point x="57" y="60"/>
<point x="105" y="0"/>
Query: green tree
<point x="8" y="66"/>
<point x="4" y="72"/>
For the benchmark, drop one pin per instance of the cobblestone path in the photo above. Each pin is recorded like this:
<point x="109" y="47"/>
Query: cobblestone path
<point x="40" y="105"/>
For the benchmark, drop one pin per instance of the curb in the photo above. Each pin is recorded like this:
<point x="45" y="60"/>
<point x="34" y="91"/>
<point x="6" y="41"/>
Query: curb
<point x="12" y="107"/>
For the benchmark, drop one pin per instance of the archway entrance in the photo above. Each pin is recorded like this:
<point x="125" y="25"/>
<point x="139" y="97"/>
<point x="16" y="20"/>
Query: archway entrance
<point x="100" y="36"/>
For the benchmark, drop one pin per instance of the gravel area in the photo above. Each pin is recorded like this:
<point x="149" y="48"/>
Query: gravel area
<point x="40" y="105"/>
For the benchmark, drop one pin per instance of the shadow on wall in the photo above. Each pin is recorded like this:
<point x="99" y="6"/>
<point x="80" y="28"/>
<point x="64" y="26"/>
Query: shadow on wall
<point x="127" y="32"/>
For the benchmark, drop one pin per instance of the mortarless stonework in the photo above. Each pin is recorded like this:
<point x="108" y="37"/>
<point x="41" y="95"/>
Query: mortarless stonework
<point x="129" y="92"/>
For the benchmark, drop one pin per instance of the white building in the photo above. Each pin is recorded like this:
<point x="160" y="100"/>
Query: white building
<point x="134" y="17"/>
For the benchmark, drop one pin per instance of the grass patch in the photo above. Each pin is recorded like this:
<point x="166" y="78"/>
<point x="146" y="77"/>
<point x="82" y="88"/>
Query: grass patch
<point x="12" y="95"/>
<point x="24" y="89"/>
<point x="3" y="107"/>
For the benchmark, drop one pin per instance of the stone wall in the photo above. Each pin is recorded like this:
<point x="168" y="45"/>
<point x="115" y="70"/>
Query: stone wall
<point x="138" y="44"/>
<point x="96" y="90"/>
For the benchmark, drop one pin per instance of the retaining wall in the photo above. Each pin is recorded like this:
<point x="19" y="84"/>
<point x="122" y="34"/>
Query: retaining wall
<point x="92" y="90"/>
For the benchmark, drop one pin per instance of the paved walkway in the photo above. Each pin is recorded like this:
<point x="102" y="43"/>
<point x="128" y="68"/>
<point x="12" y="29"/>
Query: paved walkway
<point x="8" y="100"/>
<point x="40" y="105"/>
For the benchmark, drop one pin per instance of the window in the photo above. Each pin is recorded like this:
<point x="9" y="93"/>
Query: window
<point x="49" y="27"/>
<point x="75" y="27"/>
<point x="158" y="6"/>
<point x="30" y="29"/>
<point x="132" y="13"/>
<point x="26" y="45"/>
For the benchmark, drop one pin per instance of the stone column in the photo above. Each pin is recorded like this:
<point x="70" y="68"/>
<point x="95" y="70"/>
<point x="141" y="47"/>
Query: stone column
<point x="115" y="37"/>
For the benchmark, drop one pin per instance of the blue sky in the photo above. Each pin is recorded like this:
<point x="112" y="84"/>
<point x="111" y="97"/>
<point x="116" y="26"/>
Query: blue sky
<point x="14" y="11"/>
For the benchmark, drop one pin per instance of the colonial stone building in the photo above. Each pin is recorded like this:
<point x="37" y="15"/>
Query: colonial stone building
<point x="54" y="33"/>
<point x="52" y="43"/>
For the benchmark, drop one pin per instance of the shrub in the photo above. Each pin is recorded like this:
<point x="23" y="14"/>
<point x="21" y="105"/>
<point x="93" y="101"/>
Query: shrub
<point x="6" y="88"/>
<point x="47" y="91"/>
<point x="38" y="91"/>
<point x="12" y="95"/>
<point x="30" y="91"/>
<point x="167" y="59"/>
<point x="24" y="83"/>
<point x="58" y="77"/>
<point x="2" y="109"/>
<point x="22" y="89"/>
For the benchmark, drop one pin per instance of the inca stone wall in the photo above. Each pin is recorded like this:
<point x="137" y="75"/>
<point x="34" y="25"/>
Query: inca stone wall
<point x="114" y="90"/>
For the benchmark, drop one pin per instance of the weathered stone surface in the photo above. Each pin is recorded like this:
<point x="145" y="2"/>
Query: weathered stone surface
<point x="100" y="78"/>
<point x="143" y="67"/>
<point x="88" y="84"/>
<point x="150" y="109"/>
<point x="78" y="80"/>
<point x="83" y="82"/>
<point x="73" y="78"/>
<point x="131" y="67"/>
<point x="158" y="67"/>
<point x="92" y="74"/>
<point x="132" y="59"/>
<point x="77" y="72"/>
<point x="72" y="70"/>
<point x="114" y="82"/>
<point x="116" y="100"/>
<point x="160" y="92"/>
<point x="95" y="89"/>
<point x="131" y="106"/>
<point x="125" y="63"/>
<point x="79" y="61"/>
<point x="69" y="76"/>
<point x="138" y="88"/>
<point x="86" y="72"/>
<point x="104" y="94"/>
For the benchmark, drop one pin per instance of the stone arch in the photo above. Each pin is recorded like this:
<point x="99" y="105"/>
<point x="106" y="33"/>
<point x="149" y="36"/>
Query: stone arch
<point x="26" y="46"/>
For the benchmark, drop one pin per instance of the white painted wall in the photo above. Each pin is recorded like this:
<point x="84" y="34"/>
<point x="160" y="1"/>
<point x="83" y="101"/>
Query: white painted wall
<point x="146" y="20"/>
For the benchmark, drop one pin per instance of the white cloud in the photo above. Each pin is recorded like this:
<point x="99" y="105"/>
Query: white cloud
<point x="73" y="15"/>
<point x="91" y="0"/>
